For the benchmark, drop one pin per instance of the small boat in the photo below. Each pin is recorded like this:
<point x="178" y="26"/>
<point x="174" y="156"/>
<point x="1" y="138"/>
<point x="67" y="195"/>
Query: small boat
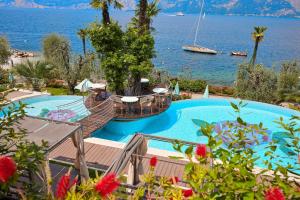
<point x="179" y="14"/>
<point x="239" y="53"/>
<point x="198" y="49"/>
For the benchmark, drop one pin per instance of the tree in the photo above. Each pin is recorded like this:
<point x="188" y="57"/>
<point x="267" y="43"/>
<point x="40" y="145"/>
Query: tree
<point x="4" y="50"/>
<point x="104" y="6"/>
<point x="57" y="50"/>
<point x="289" y="82"/>
<point x="289" y="76"/>
<point x="141" y="47"/>
<point x="152" y="11"/>
<point x="109" y="44"/>
<point x="142" y="15"/>
<point x="35" y="72"/>
<point x="257" y="36"/>
<point x="258" y="83"/>
<point x="82" y="33"/>
<point x="135" y="45"/>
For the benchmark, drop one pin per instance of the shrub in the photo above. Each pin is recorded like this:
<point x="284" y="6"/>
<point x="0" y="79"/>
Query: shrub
<point x="256" y="83"/>
<point x="222" y="90"/>
<point x="190" y="85"/>
<point x="288" y="78"/>
<point x="4" y="50"/>
<point x="54" y="83"/>
<point x="3" y="87"/>
<point x="3" y="76"/>
<point x="18" y="154"/>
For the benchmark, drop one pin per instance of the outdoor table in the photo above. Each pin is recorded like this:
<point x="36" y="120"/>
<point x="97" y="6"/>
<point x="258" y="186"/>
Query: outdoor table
<point x="160" y="91"/>
<point x="144" y="80"/>
<point x="98" y="86"/>
<point x="129" y="101"/>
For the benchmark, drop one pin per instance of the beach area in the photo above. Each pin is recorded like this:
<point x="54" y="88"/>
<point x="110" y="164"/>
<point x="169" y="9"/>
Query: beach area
<point x="20" y="56"/>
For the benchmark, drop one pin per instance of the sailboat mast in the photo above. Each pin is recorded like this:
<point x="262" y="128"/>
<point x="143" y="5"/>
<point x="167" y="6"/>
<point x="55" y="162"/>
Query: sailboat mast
<point x="200" y="16"/>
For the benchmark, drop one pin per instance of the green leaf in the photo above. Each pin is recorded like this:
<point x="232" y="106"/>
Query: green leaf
<point x="189" y="150"/>
<point x="234" y="106"/>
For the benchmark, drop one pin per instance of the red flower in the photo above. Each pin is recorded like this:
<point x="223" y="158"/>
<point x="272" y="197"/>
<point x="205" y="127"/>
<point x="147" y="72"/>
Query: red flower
<point x="201" y="150"/>
<point x="107" y="185"/>
<point x="64" y="185"/>
<point x="274" y="193"/>
<point x="299" y="158"/>
<point x="7" y="168"/>
<point x="153" y="161"/>
<point x="174" y="180"/>
<point x="187" y="193"/>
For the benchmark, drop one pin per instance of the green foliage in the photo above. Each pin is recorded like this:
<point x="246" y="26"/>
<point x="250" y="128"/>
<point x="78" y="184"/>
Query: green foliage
<point x="190" y="84"/>
<point x="35" y="72"/>
<point x="4" y="50"/>
<point x="57" y="51"/>
<point x="28" y="156"/>
<point x="289" y="76"/>
<point x="116" y="71"/>
<point x="3" y="76"/>
<point x="122" y="54"/>
<point x="106" y="39"/>
<point x="289" y="82"/>
<point x="222" y="90"/>
<point x="256" y="83"/>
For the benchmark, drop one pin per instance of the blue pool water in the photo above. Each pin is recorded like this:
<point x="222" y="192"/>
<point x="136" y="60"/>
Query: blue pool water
<point x="48" y="107"/>
<point x="179" y="122"/>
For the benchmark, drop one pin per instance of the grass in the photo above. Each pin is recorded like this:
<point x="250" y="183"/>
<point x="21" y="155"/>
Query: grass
<point x="62" y="91"/>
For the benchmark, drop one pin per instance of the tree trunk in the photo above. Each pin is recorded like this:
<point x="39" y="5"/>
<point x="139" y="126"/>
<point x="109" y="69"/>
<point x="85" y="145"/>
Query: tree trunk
<point x="71" y="88"/>
<point x="105" y="14"/>
<point x="253" y="59"/>
<point x="84" y="47"/>
<point x="143" y="16"/>
<point x="137" y="86"/>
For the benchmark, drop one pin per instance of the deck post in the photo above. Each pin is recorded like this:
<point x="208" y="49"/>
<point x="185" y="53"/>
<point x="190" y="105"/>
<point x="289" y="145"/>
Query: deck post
<point x="80" y="163"/>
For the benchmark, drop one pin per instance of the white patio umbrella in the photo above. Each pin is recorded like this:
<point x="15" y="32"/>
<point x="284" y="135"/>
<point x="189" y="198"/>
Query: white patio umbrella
<point x="84" y="85"/>
<point x="206" y="93"/>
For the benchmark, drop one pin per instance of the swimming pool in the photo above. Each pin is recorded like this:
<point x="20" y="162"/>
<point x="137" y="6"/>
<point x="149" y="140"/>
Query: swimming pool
<point x="181" y="121"/>
<point x="49" y="107"/>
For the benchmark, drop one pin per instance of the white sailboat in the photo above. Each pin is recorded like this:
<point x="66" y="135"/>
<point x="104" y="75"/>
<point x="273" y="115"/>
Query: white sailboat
<point x="196" y="48"/>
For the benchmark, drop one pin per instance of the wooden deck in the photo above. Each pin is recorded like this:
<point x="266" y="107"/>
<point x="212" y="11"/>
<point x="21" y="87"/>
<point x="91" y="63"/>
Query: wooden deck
<point x="99" y="117"/>
<point x="104" y="111"/>
<point x="101" y="157"/>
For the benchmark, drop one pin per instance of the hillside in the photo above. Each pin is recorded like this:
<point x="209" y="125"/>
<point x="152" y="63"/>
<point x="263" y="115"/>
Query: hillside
<point x="234" y="7"/>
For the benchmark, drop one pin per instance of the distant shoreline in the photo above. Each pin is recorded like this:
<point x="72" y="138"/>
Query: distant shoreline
<point x="162" y="12"/>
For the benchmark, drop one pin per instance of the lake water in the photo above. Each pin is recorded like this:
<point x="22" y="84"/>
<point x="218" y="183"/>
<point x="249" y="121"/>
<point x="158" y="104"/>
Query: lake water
<point x="25" y="29"/>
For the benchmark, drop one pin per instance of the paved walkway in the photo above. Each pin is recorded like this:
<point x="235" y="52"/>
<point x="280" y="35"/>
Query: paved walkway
<point x="20" y="94"/>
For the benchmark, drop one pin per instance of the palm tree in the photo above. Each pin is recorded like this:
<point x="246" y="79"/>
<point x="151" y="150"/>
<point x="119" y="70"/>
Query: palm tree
<point x="142" y="13"/>
<point x="35" y="72"/>
<point x="82" y="34"/>
<point x="257" y="36"/>
<point x="143" y="18"/>
<point x="152" y="11"/>
<point x="104" y="6"/>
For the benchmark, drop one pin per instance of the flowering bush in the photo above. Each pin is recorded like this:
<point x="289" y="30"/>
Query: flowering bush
<point x="17" y="155"/>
